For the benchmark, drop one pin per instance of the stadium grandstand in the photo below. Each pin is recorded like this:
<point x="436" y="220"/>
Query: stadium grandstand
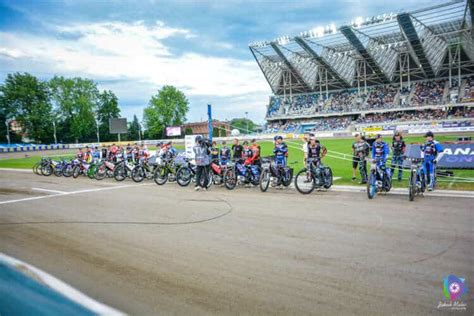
<point x="405" y="68"/>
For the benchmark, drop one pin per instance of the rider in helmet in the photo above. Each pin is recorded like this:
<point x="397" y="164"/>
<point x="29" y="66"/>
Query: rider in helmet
<point x="224" y="153"/>
<point x="380" y="151"/>
<point x="281" y="154"/>
<point x="214" y="152"/>
<point x="247" y="153"/>
<point x="431" y="152"/>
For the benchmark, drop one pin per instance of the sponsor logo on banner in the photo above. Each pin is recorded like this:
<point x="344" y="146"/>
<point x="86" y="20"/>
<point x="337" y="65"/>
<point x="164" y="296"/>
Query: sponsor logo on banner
<point x="456" y="156"/>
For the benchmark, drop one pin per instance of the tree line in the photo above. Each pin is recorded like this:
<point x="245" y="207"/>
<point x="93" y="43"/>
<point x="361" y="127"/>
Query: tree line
<point x="74" y="109"/>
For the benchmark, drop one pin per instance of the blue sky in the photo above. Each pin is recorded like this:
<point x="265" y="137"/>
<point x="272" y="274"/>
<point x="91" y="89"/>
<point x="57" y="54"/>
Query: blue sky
<point x="136" y="47"/>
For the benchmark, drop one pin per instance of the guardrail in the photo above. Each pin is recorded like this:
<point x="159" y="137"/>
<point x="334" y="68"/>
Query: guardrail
<point x="20" y="148"/>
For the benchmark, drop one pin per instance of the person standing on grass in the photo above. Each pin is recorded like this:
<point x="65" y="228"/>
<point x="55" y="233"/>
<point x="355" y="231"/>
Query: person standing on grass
<point x="202" y="156"/>
<point x="224" y="154"/>
<point x="237" y="149"/>
<point x="360" y="151"/>
<point x="398" y="149"/>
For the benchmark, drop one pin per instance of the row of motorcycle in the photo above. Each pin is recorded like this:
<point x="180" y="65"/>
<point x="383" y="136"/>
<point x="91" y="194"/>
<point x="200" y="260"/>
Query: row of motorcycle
<point x="183" y="171"/>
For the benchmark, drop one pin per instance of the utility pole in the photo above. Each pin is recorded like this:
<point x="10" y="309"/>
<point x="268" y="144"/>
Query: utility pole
<point x="209" y="122"/>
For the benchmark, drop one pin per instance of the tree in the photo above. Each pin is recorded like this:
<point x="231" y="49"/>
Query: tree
<point x="77" y="101"/>
<point x="107" y="108"/>
<point x="25" y="98"/>
<point x="167" y="108"/>
<point x="242" y="124"/>
<point x="188" y="131"/>
<point x="134" y="129"/>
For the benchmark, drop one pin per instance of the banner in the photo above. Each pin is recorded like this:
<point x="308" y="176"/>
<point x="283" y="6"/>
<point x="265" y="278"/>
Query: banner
<point x="189" y="142"/>
<point x="173" y="131"/>
<point x="456" y="156"/>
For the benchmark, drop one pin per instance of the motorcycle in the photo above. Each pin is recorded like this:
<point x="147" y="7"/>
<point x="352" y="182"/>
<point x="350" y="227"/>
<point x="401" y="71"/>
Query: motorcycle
<point x="380" y="179"/>
<point x="274" y="175"/>
<point x="240" y="173"/>
<point x="315" y="176"/>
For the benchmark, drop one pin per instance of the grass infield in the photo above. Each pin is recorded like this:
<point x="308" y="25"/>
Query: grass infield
<point x="341" y="167"/>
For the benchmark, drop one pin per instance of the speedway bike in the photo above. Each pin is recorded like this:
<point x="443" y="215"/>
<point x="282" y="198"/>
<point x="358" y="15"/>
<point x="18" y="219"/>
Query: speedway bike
<point x="315" y="176"/>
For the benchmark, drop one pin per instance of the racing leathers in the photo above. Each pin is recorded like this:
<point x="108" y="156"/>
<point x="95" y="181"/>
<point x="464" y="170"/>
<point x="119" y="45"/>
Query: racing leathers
<point x="398" y="148"/>
<point x="315" y="153"/>
<point x="380" y="153"/>
<point x="281" y="154"/>
<point x="431" y="152"/>
<point x="224" y="155"/>
<point x="361" y="150"/>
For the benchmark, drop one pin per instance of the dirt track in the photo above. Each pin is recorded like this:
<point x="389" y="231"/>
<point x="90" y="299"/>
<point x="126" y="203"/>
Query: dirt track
<point x="146" y="249"/>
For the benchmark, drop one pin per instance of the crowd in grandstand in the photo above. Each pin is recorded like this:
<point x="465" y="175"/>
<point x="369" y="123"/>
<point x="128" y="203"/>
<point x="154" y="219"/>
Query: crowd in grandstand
<point x="380" y="97"/>
<point x="428" y="93"/>
<point x="414" y="116"/>
<point x="469" y="90"/>
<point x="342" y="123"/>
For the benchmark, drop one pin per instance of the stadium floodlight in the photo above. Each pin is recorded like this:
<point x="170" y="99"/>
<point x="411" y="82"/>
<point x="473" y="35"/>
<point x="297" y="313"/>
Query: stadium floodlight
<point x="358" y="21"/>
<point x="333" y="28"/>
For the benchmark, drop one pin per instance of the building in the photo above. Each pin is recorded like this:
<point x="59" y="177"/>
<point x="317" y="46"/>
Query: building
<point x="221" y="129"/>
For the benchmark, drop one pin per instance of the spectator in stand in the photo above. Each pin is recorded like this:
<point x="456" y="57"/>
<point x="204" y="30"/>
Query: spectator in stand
<point x="428" y="93"/>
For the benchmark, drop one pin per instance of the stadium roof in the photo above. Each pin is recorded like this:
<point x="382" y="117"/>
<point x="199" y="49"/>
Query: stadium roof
<point x="421" y="44"/>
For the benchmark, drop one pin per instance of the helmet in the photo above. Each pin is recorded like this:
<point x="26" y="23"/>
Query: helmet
<point x="198" y="138"/>
<point x="429" y="134"/>
<point x="378" y="136"/>
<point x="277" y="137"/>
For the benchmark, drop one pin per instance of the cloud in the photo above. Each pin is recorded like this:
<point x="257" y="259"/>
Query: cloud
<point x="11" y="53"/>
<point x="134" y="52"/>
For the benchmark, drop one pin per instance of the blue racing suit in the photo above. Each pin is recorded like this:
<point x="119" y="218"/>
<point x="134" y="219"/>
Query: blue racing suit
<point x="224" y="155"/>
<point x="380" y="151"/>
<point x="280" y="151"/>
<point x="429" y="152"/>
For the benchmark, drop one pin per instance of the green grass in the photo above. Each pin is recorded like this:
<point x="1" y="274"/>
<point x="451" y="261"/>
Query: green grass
<point x="341" y="168"/>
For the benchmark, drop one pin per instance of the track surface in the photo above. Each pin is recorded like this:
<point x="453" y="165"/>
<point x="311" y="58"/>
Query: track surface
<point x="146" y="249"/>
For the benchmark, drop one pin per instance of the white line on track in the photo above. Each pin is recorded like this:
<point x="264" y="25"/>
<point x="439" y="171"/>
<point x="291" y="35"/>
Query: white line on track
<point x="48" y="190"/>
<point x="17" y="170"/>
<point x="73" y="193"/>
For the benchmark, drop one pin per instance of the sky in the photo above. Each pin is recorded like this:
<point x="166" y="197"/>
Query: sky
<point x="136" y="47"/>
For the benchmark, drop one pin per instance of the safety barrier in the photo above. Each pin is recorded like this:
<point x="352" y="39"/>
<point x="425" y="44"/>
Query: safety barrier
<point x="20" y="148"/>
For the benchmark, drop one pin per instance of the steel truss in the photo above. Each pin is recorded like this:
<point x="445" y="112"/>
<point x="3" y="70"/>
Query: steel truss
<point x="392" y="48"/>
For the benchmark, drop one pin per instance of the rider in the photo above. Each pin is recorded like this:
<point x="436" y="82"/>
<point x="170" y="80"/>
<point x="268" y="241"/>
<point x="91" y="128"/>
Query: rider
<point x="88" y="155"/>
<point x="315" y="152"/>
<point x="360" y="150"/>
<point x="214" y="152"/>
<point x="246" y="152"/>
<point x="281" y="155"/>
<point x="237" y="149"/>
<point x="431" y="152"/>
<point x="256" y="153"/>
<point x="380" y="153"/>
<point x="224" y="153"/>
<point x="80" y="154"/>
<point x="398" y="148"/>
